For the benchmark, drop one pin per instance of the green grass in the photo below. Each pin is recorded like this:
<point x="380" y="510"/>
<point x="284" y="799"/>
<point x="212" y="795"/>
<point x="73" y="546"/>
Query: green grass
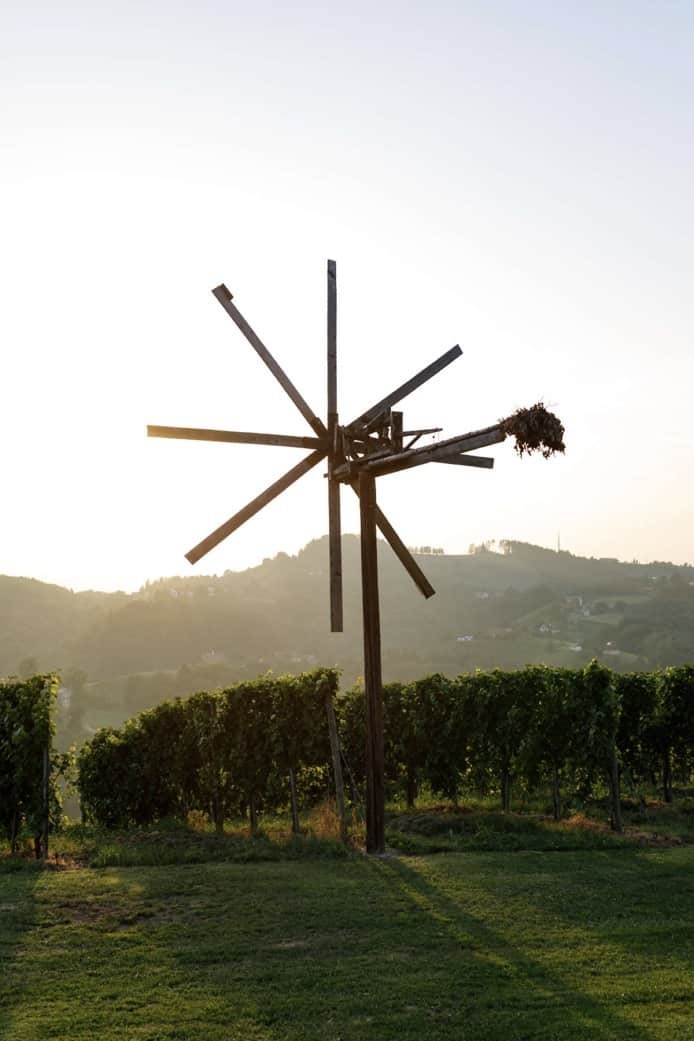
<point x="459" y="832"/>
<point x="479" y="826"/>
<point x="170" y="842"/>
<point x="479" y="947"/>
<point x="475" y="826"/>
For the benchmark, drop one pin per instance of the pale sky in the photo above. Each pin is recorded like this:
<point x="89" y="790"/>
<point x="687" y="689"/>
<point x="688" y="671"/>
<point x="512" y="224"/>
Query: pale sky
<point x="513" y="177"/>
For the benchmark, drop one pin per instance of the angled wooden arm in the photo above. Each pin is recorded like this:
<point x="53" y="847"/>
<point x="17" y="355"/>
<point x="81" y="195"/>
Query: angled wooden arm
<point x="376" y="411"/>
<point x="254" y="506"/>
<point x="237" y="437"/>
<point x="225" y="299"/>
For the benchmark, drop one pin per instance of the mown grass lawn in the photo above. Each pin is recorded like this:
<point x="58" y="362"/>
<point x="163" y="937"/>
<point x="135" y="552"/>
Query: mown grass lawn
<point x="472" y="947"/>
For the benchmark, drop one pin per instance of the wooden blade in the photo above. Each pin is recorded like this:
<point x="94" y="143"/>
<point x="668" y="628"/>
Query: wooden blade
<point x="225" y="299"/>
<point x="335" y="552"/>
<point x="332" y="339"/>
<point x="240" y="437"/>
<point x="482" y="461"/>
<point x="391" y="399"/>
<point x="334" y="521"/>
<point x="400" y="549"/>
<point x="254" y="507"/>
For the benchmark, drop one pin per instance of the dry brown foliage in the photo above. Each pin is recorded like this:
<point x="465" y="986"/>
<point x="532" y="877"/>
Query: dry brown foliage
<point x="536" y="430"/>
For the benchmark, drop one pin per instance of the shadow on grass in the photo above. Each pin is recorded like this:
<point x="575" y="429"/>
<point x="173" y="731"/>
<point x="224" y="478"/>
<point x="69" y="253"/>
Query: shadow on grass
<point x="512" y="989"/>
<point x="365" y="949"/>
<point x="337" y="950"/>
<point x="640" y="904"/>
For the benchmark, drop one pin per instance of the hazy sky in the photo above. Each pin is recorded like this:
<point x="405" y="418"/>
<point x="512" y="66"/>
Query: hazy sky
<point x="513" y="177"/>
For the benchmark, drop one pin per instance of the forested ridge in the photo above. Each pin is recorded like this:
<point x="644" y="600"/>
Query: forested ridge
<point x="503" y="605"/>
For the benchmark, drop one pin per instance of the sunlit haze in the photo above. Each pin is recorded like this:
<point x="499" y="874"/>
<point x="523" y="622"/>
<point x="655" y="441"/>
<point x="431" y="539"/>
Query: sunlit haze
<point x="512" y="177"/>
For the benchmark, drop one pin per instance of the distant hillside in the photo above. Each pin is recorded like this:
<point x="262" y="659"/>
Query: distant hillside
<point x="523" y="604"/>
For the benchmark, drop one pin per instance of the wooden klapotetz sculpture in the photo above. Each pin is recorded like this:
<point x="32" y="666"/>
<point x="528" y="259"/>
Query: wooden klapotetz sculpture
<point x="372" y="445"/>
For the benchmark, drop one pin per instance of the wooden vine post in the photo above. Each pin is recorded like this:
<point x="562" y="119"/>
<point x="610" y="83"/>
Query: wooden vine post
<point x="373" y="445"/>
<point x="45" y="798"/>
<point x="337" y="762"/>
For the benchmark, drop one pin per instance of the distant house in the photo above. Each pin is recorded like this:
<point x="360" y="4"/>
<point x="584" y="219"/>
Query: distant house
<point x="464" y="639"/>
<point x="213" y="658"/>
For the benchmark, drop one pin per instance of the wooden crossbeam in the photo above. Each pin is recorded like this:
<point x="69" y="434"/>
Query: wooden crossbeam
<point x="373" y="414"/>
<point x="237" y="437"/>
<point x="484" y="462"/>
<point x="427" y="454"/>
<point x="422" y="433"/>
<point x="254" y="506"/>
<point x="224" y="297"/>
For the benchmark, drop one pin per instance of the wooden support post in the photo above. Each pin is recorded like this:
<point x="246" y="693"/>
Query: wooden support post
<point x="615" y="793"/>
<point x="373" y="684"/>
<point x="46" y="800"/>
<point x="295" y="808"/>
<point x="337" y="763"/>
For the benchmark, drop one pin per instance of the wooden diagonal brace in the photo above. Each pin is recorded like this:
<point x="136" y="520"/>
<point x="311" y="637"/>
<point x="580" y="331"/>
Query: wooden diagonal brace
<point x="399" y="549"/>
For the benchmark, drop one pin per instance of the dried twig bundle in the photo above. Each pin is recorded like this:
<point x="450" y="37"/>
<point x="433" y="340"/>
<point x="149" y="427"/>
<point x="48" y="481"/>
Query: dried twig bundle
<point x="535" y="430"/>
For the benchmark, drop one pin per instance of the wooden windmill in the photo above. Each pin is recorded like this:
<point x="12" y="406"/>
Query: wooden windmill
<point x="372" y="445"/>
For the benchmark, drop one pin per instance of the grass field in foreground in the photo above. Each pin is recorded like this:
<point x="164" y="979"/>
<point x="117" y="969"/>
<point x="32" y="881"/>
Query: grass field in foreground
<point x="471" y="947"/>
